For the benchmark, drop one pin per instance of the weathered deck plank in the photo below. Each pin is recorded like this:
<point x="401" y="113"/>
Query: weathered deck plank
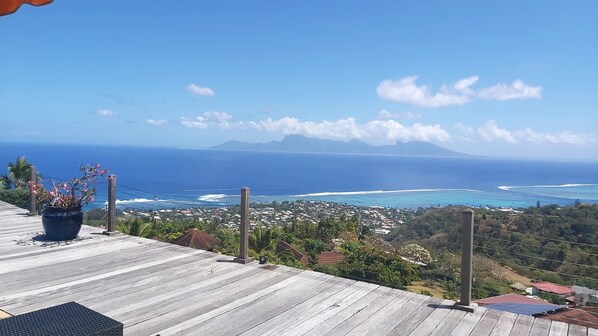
<point x="449" y="323"/>
<point x="577" y="330"/>
<point x="310" y="308"/>
<point x="541" y="327"/>
<point x="523" y="326"/>
<point x="324" y="323"/>
<point x="154" y="287"/>
<point x="360" y="321"/>
<point x="253" y="313"/>
<point x="487" y="323"/>
<point x="558" y="328"/>
<point x="504" y="325"/>
<point x="116" y="284"/>
<point x="469" y="322"/>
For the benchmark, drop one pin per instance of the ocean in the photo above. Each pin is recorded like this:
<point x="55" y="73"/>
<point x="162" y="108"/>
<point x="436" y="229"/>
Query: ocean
<point x="175" y="177"/>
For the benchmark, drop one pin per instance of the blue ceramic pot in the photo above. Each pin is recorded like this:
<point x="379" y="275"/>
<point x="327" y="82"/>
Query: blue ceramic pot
<point x="62" y="224"/>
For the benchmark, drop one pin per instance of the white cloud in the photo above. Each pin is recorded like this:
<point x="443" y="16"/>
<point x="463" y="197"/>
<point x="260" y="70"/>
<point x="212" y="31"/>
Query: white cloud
<point x="378" y="131"/>
<point x="106" y="113"/>
<point x="491" y="132"/>
<point x="215" y="116"/>
<point x="464" y="129"/>
<point x="517" y="90"/>
<point x="385" y="115"/>
<point x="194" y="123"/>
<point x="200" y="90"/>
<point x="464" y="84"/>
<point x="216" y="119"/>
<point x="406" y="90"/>
<point x="393" y="131"/>
<point x="347" y="129"/>
<point x="338" y="130"/>
<point x="382" y="130"/>
<point x="554" y="138"/>
<point x="158" y="122"/>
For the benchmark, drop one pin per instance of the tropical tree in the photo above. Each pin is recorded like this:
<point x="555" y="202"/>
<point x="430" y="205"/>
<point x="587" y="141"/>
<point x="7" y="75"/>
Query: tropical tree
<point x="18" y="174"/>
<point x="136" y="227"/>
<point x="415" y="253"/>
<point x="261" y="239"/>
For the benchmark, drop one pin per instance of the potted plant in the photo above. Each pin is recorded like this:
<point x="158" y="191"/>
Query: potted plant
<point x="62" y="216"/>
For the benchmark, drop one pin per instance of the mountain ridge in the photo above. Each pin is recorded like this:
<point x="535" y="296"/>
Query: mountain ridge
<point x="300" y="143"/>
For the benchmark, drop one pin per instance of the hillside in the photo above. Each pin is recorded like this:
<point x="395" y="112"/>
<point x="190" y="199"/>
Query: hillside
<point x="299" y="143"/>
<point x="558" y="244"/>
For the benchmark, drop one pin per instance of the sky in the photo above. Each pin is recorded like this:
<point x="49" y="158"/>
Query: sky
<point x="505" y="78"/>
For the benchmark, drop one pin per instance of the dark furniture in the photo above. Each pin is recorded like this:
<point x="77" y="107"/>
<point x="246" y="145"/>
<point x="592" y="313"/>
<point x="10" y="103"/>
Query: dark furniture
<point x="68" y="319"/>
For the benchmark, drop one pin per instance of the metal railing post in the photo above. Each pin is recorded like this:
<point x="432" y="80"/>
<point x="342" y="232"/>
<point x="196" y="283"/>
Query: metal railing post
<point x="466" y="261"/>
<point x="111" y="205"/>
<point x="32" y="194"/>
<point x="244" y="228"/>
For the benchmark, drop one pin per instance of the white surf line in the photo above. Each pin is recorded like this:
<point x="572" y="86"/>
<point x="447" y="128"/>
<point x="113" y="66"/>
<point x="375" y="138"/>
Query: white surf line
<point x="568" y="185"/>
<point x="373" y="192"/>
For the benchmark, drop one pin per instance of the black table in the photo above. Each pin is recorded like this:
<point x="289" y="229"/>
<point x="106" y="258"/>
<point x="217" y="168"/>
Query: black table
<point x="68" y="319"/>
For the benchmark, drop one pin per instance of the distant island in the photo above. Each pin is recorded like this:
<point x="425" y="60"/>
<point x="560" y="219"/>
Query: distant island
<point x="300" y="143"/>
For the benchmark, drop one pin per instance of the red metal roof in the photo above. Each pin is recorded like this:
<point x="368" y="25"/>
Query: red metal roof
<point x="509" y="298"/>
<point x="574" y="316"/>
<point x="330" y="258"/>
<point x="197" y="239"/>
<point x="552" y="288"/>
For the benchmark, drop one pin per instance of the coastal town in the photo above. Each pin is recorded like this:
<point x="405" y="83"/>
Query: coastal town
<point x="381" y="220"/>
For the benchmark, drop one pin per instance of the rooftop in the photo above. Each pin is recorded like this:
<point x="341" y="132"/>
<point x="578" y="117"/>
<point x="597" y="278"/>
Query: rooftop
<point x="552" y="288"/>
<point x="197" y="239"/>
<point x="154" y="287"/>
<point x="510" y="298"/>
<point x="576" y="316"/>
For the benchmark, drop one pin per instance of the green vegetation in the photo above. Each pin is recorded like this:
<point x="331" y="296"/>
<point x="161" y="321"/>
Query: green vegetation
<point x="18" y="197"/>
<point x="18" y="174"/>
<point x="551" y="243"/>
<point x="14" y="184"/>
<point x="364" y="262"/>
<point x="545" y="243"/>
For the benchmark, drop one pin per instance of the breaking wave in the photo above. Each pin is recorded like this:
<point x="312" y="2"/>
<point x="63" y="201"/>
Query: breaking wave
<point x="373" y="192"/>
<point x="571" y="185"/>
<point x="213" y="197"/>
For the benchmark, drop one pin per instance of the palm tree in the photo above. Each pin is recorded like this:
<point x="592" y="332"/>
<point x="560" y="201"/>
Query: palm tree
<point x="19" y="173"/>
<point x="261" y="239"/>
<point x="136" y="227"/>
<point x="4" y="182"/>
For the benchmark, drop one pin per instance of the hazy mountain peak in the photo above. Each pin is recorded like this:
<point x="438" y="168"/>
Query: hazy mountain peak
<point x="301" y="143"/>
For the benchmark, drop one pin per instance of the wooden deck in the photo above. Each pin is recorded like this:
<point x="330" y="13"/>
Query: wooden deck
<point x="159" y="288"/>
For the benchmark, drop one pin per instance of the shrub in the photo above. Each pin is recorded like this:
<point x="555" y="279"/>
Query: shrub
<point x="18" y="197"/>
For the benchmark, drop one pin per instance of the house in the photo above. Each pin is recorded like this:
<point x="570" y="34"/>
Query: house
<point x="583" y="295"/>
<point x="573" y="316"/>
<point x="551" y="288"/>
<point x="197" y="239"/>
<point x="330" y="258"/>
<point x="518" y="286"/>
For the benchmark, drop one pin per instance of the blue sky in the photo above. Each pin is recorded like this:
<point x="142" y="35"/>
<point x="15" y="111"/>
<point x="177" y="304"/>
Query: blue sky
<point x="509" y="78"/>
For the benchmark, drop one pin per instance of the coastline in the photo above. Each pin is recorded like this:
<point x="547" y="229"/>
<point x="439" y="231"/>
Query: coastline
<point x="501" y="197"/>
